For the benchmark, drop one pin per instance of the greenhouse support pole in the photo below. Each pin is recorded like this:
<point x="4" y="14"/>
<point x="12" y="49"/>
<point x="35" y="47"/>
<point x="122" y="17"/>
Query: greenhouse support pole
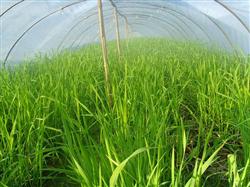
<point x="127" y="31"/>
<point x="104" y="52"/>
<point x="117" y="33"/>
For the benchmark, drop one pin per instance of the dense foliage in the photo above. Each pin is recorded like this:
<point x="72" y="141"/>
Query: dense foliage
<point x="180" y="116"/>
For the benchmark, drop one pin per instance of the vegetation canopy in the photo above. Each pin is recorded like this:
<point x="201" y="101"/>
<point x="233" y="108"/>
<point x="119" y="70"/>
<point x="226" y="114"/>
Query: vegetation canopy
<point x="180" y="116"/>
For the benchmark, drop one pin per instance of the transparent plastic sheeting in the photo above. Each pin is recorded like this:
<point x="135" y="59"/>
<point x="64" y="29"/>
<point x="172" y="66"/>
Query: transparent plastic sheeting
<point x="30" y="27"/>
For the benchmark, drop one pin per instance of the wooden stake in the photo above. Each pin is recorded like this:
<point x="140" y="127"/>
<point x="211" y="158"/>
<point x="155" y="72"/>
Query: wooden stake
<point x="117" y="32"/>
<point x="104" y="52"/>
<point x="127" y="29"/>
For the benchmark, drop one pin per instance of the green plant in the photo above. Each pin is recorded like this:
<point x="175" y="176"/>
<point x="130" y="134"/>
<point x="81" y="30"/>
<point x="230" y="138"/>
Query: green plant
<point x="180" y="113"/>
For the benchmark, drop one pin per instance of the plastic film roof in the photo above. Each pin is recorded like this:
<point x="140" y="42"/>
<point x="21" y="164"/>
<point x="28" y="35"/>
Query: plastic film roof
<point x="29" y="27"/>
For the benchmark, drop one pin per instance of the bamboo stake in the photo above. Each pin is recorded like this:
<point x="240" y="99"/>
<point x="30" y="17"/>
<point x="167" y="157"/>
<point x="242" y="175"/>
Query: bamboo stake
<point x="104" y="52"/>
<point x="117" y="32"/>
<point x="127" y="29"/>
<point x="127" y="32"/>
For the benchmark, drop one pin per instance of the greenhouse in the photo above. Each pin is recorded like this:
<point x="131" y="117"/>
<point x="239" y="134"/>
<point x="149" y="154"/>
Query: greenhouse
<point x="125" y="93"/>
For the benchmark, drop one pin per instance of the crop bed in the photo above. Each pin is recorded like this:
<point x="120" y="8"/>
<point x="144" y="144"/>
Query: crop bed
<point x="180" y="116"/>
